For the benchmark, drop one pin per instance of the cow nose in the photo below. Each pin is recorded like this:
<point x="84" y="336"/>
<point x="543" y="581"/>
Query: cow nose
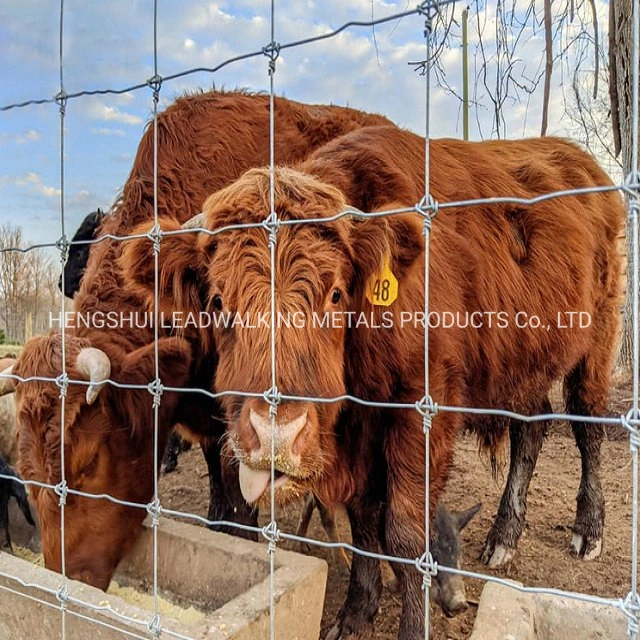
<point x="457" y="605"/>
<point x="286" y="433"/>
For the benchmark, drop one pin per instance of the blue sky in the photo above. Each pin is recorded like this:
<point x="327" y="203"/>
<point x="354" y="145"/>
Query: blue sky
<point x="110" y="44"/>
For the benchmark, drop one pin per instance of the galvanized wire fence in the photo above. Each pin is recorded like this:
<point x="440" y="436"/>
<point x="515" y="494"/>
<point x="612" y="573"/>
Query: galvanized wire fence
<point x="427" y="208"/>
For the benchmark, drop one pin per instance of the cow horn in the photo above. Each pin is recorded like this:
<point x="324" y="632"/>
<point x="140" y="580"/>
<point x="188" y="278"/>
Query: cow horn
<point x="7" y="385"/>
<point x="95" y="365"/>
<point x="197" y="222"/>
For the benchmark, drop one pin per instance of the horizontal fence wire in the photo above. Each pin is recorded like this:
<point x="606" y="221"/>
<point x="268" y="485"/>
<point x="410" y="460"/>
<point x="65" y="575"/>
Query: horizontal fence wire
<point x="428" y="209"/>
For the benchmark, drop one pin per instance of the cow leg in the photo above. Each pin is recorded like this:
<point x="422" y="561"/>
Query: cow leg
<point x="525" y="441"/>
<point x="404" y="534"/>
<point x="405" y="539"/>
<point x="225" y="499"/>
<point x="4" y="517"/>
<point x="586" y="394"/>
<point x="355" y="619"/>
<point x="328" y="519"/>
<point x="171" y="453"/>
<point x="305" y="519"/>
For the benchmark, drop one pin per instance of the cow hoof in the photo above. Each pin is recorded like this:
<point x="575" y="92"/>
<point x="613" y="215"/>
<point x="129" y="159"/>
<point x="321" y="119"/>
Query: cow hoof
<point x="584" y="548"/>
<point x="499" y="557"/>
<point x="342" y="630"/>
<point x="168" y="467"/>
<point x="457" y="605"/>
<point x="335" y="633"/>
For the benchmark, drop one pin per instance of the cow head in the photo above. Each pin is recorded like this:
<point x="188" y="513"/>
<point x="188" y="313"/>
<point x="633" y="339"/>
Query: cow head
<point x="108" y="445"/>
<point x="321" y="272"/>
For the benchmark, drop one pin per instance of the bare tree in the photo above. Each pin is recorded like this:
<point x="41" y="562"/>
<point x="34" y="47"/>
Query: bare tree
<point x="620" y="89"/>
<point x="27" y="285"/>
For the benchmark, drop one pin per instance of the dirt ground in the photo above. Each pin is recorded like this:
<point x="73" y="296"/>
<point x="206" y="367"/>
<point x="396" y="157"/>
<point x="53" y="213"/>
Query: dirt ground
<point x="543" y="557"/>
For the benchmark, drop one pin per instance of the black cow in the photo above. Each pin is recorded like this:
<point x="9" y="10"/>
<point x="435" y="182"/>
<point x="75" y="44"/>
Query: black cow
<point x="79" y="253"/>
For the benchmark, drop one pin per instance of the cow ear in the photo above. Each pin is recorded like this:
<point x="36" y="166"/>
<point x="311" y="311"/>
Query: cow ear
<point x="463" y="518"/>
<point x="138" y="368"/>
<point x="174" y="363"/>
<point x="397" y="238"/>
<point x="181" y="268"/>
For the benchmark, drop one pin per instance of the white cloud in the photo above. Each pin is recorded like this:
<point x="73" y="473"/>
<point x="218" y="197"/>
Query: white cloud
<point x="33" y="182"/>
<point x="105" y="131"/>
<point x="97" y="110"/>
<point x="114" y="114"/>
<point x="20" y="138"/>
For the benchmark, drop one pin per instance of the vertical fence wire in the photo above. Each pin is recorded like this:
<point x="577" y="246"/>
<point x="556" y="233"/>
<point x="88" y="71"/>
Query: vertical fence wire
<point x="428" y="208"/>
<point x="427" y="417"/>
<point x="272" y="226"/>
<point x="155" y="388"/>
<point x="62" y="496"/>
<point x="632" y="226"/>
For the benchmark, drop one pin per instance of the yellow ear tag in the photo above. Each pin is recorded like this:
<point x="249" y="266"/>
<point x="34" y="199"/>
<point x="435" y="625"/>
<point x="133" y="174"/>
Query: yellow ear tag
<point x="382" y="286"/>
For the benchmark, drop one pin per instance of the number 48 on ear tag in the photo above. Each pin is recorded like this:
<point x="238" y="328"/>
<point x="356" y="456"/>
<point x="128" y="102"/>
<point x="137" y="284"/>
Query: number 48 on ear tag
<point x="382" y="286"/>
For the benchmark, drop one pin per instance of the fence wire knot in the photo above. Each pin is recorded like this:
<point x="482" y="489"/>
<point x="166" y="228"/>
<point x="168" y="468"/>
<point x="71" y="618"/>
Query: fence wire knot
<point x="156" y="389"/>
<point x="61" y="490"/>
<point x="428" y="567"/>
<point x="272" y="51"/>
<point x="632" y="180"/>
<point x="154" y="627"/>
<point x="61" y="99"/>
<point x="634" y="433"/>
<point x="271" y="225"/>
<point x="62" y="595"/>
<point x="631" y="608"/>
<point x="155" y="235"/>
<point x="155" y="82"/>
<point x="62" y="245"/>
<point x="154" y="510"/>
<point x="428" y="209"/>
<point x="427" y="408"/>
<point x="273" y="398"/>
<point x="63" y="384"/>
<point x="271" y="533"/>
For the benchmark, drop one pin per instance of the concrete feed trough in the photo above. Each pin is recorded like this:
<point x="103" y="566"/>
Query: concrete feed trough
<point x="217" y="585"/>
<point x="507" y="614"/>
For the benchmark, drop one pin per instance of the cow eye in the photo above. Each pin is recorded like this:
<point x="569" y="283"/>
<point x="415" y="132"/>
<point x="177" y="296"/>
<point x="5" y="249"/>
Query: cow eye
<point x="90" y="469"/>
<point x="217" y="302"/>
<point x="335" y="296"/>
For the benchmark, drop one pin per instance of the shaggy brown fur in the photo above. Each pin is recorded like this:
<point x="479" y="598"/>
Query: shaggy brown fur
<point x="204" y="142"/>
<point x="557" y="256"/>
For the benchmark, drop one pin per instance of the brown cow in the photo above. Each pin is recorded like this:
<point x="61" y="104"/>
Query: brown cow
<point x="531" y="262"/>
<point x="204" y="142"/>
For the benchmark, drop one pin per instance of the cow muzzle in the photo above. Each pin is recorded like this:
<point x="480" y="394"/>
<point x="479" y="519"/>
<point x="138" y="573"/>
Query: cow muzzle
<point x="260" y="442"/>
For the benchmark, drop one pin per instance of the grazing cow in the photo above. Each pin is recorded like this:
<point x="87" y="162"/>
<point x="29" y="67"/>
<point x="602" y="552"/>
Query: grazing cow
<point x="205" y="141"/>
<point x="79" y="253"/>
<point x="73" y="271"/>
<point x="534" y="264"/>
<point x="448" y="589"/>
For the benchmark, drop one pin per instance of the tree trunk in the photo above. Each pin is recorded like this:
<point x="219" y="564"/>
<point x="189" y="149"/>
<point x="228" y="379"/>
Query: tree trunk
<point x="548" y="49"/>
<point x="620" y="90"/>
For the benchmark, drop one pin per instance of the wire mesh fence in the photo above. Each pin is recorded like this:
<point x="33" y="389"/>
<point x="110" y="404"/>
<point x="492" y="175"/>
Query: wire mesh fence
<point x="427" y="208"/>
